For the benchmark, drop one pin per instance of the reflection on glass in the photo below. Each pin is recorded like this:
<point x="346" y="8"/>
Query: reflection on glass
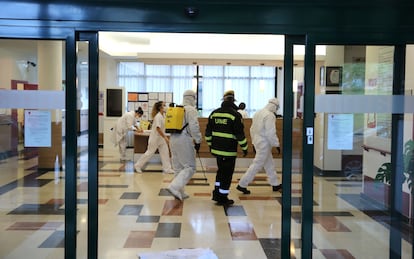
<point x="353" y="154"/>
<point x="32" y="182"/>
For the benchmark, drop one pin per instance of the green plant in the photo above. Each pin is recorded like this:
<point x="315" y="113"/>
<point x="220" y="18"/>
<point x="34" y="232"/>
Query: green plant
<point x="409" y="164"/>
<point x="384" y="171"/>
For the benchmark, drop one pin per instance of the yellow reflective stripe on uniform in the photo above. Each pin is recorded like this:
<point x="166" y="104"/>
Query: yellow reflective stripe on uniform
<point x="225" y="115"/>
<point x="223" y="153"/>
<point x="208" y="138"/>
<point x="223" y="135"/>
<point x="244" y="141"/>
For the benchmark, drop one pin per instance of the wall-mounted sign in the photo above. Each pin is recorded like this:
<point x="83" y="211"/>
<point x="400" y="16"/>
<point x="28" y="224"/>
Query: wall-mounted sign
<point x="37" y="128"/>
<point x="340" y="131"/>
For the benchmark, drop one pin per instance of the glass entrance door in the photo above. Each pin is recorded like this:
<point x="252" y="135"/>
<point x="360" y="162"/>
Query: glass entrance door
<point x="362" y="198"/>
<point x="32" y="149"/>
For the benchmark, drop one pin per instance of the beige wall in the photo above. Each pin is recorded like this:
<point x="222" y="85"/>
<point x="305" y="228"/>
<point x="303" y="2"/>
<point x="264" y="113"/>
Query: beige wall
<point x="107" y="79"/>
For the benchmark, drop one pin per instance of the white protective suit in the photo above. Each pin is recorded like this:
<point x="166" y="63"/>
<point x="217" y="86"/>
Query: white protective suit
<point x="120" y="130"/>
<point x="182" y="147"/>
<point x="243" y="113"/>
<point x="263" y="134"/>
<point x="155" y="141"/>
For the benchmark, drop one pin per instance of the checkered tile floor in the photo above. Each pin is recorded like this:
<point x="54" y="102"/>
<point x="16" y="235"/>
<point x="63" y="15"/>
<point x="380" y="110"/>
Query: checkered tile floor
<point x="137" y="214"/>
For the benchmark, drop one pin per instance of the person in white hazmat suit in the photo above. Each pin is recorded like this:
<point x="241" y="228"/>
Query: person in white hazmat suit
<point x="119" y="132"/>
<point x="184" y="146"/>
<point x="264" y="137"/>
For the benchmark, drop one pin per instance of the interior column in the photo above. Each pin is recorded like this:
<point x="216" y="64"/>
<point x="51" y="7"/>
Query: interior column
<point x="50" y="78"/>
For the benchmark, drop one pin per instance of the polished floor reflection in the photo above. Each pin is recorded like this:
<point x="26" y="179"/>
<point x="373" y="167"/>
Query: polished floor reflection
<point x="137" y="214"/>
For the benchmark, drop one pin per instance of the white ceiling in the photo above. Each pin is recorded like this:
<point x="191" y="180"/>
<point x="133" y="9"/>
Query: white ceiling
<point x="197" y="47"/>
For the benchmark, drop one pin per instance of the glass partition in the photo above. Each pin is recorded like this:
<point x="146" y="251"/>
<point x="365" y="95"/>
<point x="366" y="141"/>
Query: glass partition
<point x="32" y="123"/>
<point x="354" y="122"/>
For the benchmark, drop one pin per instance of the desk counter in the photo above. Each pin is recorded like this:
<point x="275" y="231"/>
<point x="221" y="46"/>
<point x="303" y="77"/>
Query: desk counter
<point x="141" y="139"/>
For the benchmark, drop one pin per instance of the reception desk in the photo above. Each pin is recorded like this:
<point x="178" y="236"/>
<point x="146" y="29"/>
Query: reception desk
<point x="140" y="142"/>
<point x="141" y="139"/>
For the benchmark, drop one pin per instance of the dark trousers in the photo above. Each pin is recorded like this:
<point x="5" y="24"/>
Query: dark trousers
<point x="225" y="172"/>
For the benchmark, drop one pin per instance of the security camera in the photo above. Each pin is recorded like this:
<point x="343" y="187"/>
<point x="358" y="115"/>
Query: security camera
<point x="191" y="11"/>
<point x="31" y="63"/>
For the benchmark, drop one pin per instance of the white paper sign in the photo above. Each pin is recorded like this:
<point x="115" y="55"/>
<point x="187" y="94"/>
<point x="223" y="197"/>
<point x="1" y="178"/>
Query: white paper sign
<point x="340" y="131"/>
<point x="37" y="128"/>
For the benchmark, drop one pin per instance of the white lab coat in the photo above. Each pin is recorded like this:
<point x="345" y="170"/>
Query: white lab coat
<point x="155" y="141"/>
<point x="182" y="147"/>
<point x="263" y="134"/>
<point x="120" y="130"/>
<point x="243" y="113"/>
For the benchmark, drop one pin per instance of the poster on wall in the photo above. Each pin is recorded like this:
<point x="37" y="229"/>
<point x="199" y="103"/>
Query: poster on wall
<point x="340" y="131"/>
<point x="153" y="96"/>
<point x="161" y="97"/>
<point x="131" y="106"/>
<point x="371" y="120"/>
<point x="37" y="128"/>
<point x="101" y="103"/>
<point x="143" y="105"/>
<point x="146" y="101"/>
<point x="142" y="97"/>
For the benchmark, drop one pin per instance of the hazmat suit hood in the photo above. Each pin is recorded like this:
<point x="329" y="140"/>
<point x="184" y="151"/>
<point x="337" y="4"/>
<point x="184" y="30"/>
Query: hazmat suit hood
<point x="189" y="98"/>
<point x="273" y="105"/>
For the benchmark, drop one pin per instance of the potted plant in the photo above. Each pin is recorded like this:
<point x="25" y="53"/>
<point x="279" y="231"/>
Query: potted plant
<point x="409" y="164"/>
<point x="384" y="171"/>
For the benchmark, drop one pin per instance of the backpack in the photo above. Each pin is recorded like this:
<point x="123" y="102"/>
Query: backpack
<point x="174" y="119"/>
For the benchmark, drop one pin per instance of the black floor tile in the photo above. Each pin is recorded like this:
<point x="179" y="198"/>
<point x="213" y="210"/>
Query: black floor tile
<point x="56" y="240"/>
<point x="131" y="210"/>
<point x="296" y="201"/>
<point x="38" y="209"/>
<point x="130" y="195"/>
<point x="168" y="230"/>
<point x="164" y="192"/>
<point x="113" y="186"/>
<point x="148" y="219"/>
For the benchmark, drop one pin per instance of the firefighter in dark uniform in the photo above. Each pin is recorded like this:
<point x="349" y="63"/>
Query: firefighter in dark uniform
<point x="225" y="130"/>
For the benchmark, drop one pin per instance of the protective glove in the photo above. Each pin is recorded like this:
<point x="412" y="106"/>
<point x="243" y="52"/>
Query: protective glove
<point x="244" y="153"/>
<point x="197" y="147"/>
<point x="278" y="150"/>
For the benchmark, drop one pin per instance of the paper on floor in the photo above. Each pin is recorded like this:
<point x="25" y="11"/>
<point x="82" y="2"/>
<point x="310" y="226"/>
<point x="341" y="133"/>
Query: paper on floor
<point x="196" y="253"/>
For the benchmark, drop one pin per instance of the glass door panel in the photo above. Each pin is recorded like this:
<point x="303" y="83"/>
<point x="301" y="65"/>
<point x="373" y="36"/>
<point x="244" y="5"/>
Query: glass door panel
<point x="298" y="88"/>
<point x="354" y="120"/>
<point x="407" y="153"/>
<point x="32" y="123"/>
<point x="82" y="72"/>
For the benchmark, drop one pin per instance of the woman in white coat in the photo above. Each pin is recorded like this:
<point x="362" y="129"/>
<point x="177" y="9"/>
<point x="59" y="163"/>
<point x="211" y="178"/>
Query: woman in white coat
<point x="157" y="140"/>
<point x="123" y="125"/>
<point x="242" y="110"/>
<point x="264" y="137"/>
